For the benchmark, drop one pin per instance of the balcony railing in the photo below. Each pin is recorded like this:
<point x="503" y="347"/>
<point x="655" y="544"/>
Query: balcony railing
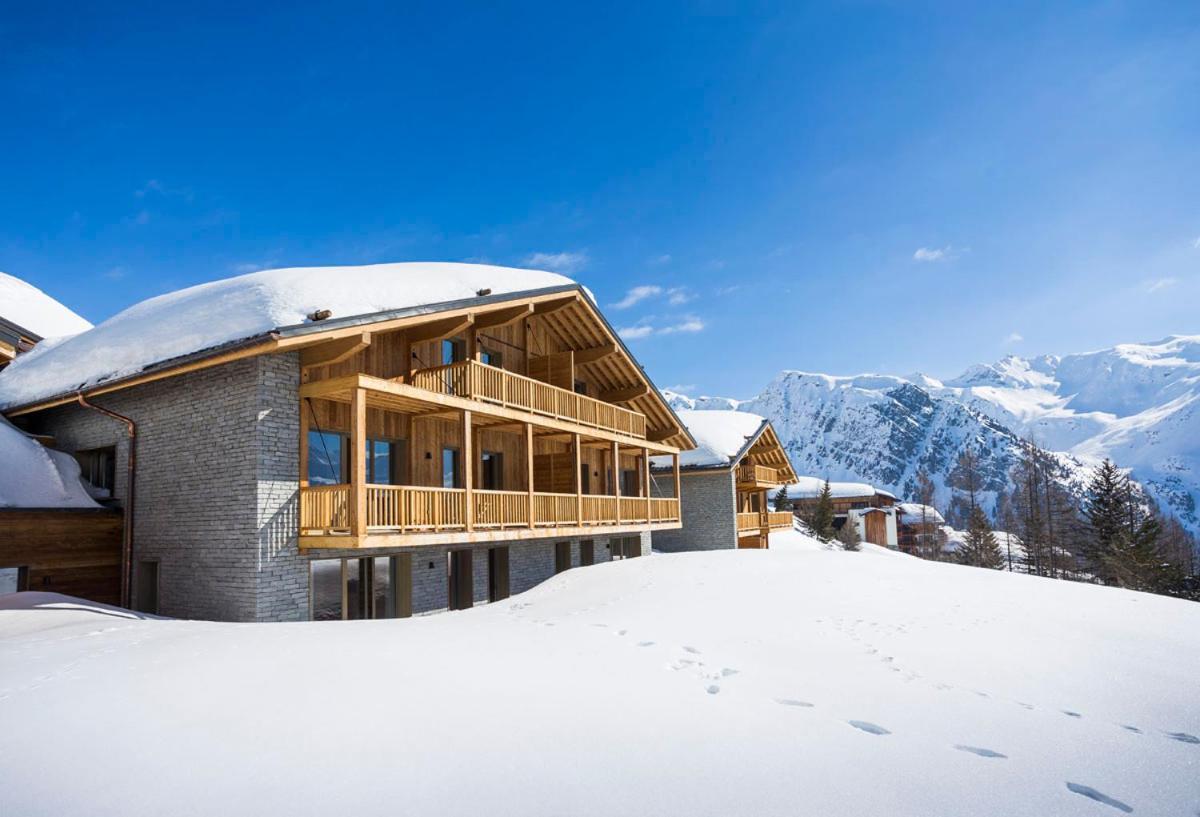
<point x="760" y="474"/>
<point x="749" y="521"/>
<point x="477" y="381"/>
<point x="412" y="509"/>
<point x="753" y="520"/>
<point x="779" y="519"/>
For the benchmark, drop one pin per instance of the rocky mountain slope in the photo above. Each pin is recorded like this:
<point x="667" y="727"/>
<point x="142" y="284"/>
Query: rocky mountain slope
<point x="1138" y="404"/>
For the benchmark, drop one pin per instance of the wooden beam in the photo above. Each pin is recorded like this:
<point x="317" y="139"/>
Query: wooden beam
<point x="578" y="482"/>
<point x="616" y="477"/>
<point x="548" y="307"/>
<point x="502" y="317"/>
<point x="358" y="462"/>
<point x="658" y="435"/>
<point x="335" y="351"/>
<point x="675" y="466"/>
<point x="444" y="328"/>
<point x="305" y="409"/>
<point x="625" y="395"/>
<point x="468" y="458"/>
<point x="646" y="479"/>
<point x="594" y="353"/>
<point x="529" y="468"/>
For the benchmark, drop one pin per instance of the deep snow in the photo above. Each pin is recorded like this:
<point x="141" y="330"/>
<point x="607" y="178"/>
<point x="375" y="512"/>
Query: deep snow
<point x="209" y="315"/>
<point x="791" y="681"/>
<point x="719" y="436"/>
<point x="30" y="308"/>
<point x="33" y="476"/>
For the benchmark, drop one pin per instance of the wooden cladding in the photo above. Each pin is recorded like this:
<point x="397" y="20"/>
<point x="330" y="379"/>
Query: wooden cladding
<point x="756" y="520"/>
<point x="748" y="474"/>
<point x="403" y="508"/>
<point x="476" y="381"/>
<point x="74" y="552"/>
<point x="557" y="369"/>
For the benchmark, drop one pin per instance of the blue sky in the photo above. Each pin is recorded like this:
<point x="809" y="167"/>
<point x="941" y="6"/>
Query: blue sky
<point x="842" y="188"/>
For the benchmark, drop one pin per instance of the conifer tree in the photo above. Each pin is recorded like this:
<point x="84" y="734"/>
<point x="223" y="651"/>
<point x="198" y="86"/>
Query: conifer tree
<point x="782" y="501"/>
<point x="821" y="521"/>
<point x="980" y="548"/>
<point x="1107" y="511"/>
<point x="848" y="535"/>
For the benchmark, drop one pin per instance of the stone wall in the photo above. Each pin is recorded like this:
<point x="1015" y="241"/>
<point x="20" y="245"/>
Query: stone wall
<point x="709" y="513"/>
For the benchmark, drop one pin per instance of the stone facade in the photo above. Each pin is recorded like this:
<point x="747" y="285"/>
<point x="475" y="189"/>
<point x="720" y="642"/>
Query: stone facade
<point x="709" y="513"/>
<point x="217" y="485"/>
<point x="217" y="494"/>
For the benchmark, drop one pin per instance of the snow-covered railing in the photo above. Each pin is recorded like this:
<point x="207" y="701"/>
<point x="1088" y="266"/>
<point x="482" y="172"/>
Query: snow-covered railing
<point x="478" y="381"/>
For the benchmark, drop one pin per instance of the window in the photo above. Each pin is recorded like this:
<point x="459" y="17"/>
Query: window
<point x="629" y="483"/>
<point x="451" y="472"/>
<point x="326" y="461"/>
<point x="491" y="471"/>
<point x="99" y="467"/>
<point x="491" y="358"/>
<point x="585" y="478"/>
<point x="378" y="587"/>
<point x="580" y="387"/>
<point x="13" y="580"/>
<point x="562" y="556"/>
<point x="454" y="350"/>
<point x="147" y="587"/>
<point x="383" y="461"/>
<point x="587" y="552"/>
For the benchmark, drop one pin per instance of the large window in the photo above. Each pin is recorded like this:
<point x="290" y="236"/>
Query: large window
<point x="451" y="471"/>
<point x="491" y="476"/>
<point x="630" y="483"/>
<point x="326" y="459"/>
<point x="490" y="358"/>
<point x="454" y="350"/>
<point x="378" y="587"/>
<point x="384" y="461"/>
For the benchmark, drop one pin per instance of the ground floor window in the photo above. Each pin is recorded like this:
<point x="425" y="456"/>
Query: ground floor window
<point x="99" y="467"/>
<point x="497" y="573"/>
<point x="625" y="547"/>
<point x="359" y="588"/>
<point x="13" y="580"/>
<point x="562" y="556"/>
<point x="587" y="552"/>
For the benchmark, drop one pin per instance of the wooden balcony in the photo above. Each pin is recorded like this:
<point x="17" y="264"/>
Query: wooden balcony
<point x="779" y="519"/>
<point x="759" y="476"/>
<point x="754" y="521"/>
<point x="391" y="510"/>
<point x="476" y="381"/>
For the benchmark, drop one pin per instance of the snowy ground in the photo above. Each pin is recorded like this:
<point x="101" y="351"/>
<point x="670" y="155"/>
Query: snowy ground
<point x="791" y="681"/>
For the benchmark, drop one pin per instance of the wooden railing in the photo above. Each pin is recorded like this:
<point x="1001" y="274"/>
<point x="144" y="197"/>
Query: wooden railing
<point x="325" y="507"/>
<point x="757" y="474"/>
<point x="406" y="508"/>
<point x="749" y="521"/>
<point x="779" y="519"/>
<point x="477" y="381"/>
<point x="501" y="509"/>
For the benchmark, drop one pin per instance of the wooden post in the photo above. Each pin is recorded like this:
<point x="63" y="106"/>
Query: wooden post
<point x="468" y="458"/>
<point x="529" y="468"/>
<point x="646" y="481"/>
<point x="675" y="466"/>
<point x="616" y="476"/>
<point x="406" y="364"/>
<point x="305" y="408"/>
<point x="528" y="351"/>
<point x="358" y="462"/>
<point x="578" y="481"/>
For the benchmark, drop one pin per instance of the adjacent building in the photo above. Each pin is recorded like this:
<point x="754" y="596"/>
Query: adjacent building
<point x="871" y="510"/>
<point x="357" y="442"/>
<point x="27" y="315"/>
<point x="723" y="483"/>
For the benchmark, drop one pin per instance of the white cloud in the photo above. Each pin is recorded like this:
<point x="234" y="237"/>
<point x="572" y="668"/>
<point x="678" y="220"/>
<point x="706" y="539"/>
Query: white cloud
<point x="637" y="295"/>
<point x="679" y="295"/>
<point x="729" y="290"/>
<point x="565" y="262"/>
<point x="659" y="260"/>
<point x="635" y="332"/>
<point x="116" y="273"/>
<point x="142" y="218"/>
<point x="1196" y="243"/>
<point x="689" y="324"/>
<point x="1160" y="284"/>
<point x="1014" y="337"/>
<point x="946" y="253"/>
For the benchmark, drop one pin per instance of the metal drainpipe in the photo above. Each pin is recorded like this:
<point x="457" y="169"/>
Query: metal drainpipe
<point x="130" y="467"/>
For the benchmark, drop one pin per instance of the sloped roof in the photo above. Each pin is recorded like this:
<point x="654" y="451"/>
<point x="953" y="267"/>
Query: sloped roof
<point x="810" y="487"/>
<point x="723" y="437"/>
<point x="26" y="306"/>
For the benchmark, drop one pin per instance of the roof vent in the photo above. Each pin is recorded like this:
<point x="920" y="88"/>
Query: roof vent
<point x="319" y="315"/>
<point x="483" y="292"/>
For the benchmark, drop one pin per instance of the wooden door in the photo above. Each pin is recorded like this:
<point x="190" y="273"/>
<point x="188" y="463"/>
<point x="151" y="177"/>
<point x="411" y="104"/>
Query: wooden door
<point x="460" y="579"/>
<point x="497" y="573"/>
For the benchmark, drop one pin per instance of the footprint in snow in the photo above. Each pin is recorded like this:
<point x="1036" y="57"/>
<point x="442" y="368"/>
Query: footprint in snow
<point x="1099" y="797"/>
<point x="712" y="689"/>
<point x="726" y="672"/>
<point x="1129" y="728"/>
<point x="977" y="750"/>
<point x="792" y="702"/>
<point x="692" y="650"/>
<point x="1071" y="714"/>
<point x="620" y="632"/>
<point x="1183" y="737"/>
<point x="645" y="643"/>
<point x="1024" y="705"/>
<point x="868" y="727"/>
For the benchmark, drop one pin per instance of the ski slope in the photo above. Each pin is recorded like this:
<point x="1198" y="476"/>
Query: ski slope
<point x="791" y="681"/>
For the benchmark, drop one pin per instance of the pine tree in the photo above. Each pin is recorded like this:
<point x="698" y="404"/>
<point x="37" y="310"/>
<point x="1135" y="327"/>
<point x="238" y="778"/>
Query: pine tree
<point x="928" y="544"/>
<point x="848" y="535"/>
<point x="782" y="501"/>
<point x="821" y="521"/>
<point x="980" y="548"/>
<point x="1106" y="511"/>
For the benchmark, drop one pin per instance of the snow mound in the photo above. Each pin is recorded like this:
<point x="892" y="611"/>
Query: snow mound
<point x="797" y="680"/>
<point x="33" y="476"/>
<point x="720" y="436"/>
<point x="221" y="312"/>
<point x="811" y="487"/>
<point x="913" y="513"/>
<point x="30" y="308"/>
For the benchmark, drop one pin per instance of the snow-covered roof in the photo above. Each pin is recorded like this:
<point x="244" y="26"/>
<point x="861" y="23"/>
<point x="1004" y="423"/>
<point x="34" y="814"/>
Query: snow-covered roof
<point x="810" y="487"/>
<point x="28" y="307"/>
<point x="34" y="476"/>
<point x="913" y="514"/>
<point x="233" y="309"/>
<point x="720" y="436"/>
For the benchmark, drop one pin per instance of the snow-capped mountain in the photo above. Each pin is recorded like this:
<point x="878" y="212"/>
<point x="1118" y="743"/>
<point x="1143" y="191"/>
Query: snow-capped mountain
<point x="1138" y="404"/>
